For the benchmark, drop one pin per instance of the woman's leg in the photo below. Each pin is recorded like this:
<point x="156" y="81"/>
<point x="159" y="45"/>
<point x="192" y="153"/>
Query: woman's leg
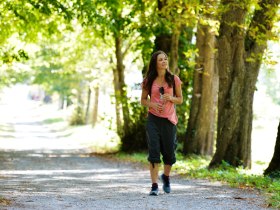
<point x="169" y="144"/>
<point x="154" y="167"/>
<point x="154" y="172"/>
<point x="167" y="169"/>
<point x="165" y="178"/>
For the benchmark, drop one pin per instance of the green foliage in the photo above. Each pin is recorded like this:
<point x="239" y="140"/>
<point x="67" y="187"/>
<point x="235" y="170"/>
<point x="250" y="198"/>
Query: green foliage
<point x="174" y="13"/>
<point x="52" y="77"/>
<point x="78" y="116"/>
<point x="8" y="56"/>
<point x="135" y="138"/>
<point x="101" y="13"/>
<point x="275" y="174"/>
<point x="183" y="109"/>
<point x="12" y="69"/>
<point x="32" y="18"/>
<point x="186" y="76"/>
<point x="27" y="21"/>
<point x="235" y="177"/>
<point x="132" y="157"/>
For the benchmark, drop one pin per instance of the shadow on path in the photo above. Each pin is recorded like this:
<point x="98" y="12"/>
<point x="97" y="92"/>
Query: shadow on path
<point x="73" y="181"/>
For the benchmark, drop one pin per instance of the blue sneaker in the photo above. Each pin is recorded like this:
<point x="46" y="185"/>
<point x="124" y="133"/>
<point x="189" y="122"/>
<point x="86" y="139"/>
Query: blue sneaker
<point x="166" y="183"/>
<point x="154" y="190"/>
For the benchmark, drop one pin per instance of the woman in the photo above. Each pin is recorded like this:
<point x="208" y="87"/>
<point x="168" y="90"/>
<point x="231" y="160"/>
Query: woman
<point x="164" y="91"/>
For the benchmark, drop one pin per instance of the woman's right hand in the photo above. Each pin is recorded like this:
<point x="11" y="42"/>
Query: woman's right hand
<point x="158" y="107"/>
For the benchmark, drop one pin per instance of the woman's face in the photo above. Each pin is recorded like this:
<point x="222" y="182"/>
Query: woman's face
<point x="162" y="62"/>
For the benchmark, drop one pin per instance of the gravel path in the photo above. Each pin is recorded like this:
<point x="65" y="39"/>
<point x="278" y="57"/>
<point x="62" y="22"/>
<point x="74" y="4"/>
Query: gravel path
<point x="41" y="170"/>
<point x="75" y="181"/>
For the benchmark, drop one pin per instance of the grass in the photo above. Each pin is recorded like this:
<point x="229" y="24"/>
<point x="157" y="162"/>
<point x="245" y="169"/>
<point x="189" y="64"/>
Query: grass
<point x="53" y="120"/>
<point x="6" y="128"/>
<point x="196" y="167"/>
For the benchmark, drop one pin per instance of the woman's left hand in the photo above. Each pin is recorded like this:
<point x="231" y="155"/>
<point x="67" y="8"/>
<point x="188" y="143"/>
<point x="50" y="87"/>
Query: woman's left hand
<point x="167" y="97"/>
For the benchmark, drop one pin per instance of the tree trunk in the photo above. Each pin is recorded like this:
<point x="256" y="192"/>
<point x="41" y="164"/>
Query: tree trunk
<point x="78" y="117"/>
<point x="237" y="80"/>
<point x="162" y="40"/>
<point x="274" y="165"/>
<point x="117" y="102"/>
<point x="95" y="106"/>
<point x="174" y="49"/>
<point x="61" y="101"/>
<point x="121" y="94"/>
<point x="201" y="124"/>
<point x="88" y="105"/>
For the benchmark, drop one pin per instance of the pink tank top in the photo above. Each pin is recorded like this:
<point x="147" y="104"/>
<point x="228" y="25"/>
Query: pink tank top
<point x="169" y="110"/>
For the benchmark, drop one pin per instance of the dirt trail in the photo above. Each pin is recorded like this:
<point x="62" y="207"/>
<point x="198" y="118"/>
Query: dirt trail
<point x="37" y="180"/>
<point x="41" y="170"/>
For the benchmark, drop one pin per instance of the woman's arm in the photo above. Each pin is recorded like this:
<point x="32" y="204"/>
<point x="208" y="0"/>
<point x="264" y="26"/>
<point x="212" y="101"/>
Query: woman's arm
<point x="144" y="98"/>
<point x="178" y="99"/>
<point x="179" y="96"/>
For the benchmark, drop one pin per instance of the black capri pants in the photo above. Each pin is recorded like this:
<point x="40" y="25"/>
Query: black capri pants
<point x="161" y="139"/>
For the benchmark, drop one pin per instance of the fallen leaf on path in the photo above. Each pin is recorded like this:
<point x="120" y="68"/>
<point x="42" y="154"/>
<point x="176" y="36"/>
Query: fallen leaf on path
<point x="4" y="201"/>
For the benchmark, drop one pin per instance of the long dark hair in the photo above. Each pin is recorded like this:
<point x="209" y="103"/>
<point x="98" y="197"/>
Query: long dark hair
<point x="152" y="74"/>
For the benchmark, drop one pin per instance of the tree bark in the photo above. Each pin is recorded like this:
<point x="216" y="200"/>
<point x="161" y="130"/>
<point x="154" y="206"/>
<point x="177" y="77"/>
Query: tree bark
<point x="88" y="105"/>
<point x="174" y="49"/>
<point x="121" y="94"/>
<point x="117" y="102"/>
<point x="162" y="40"/>
<point x="78" y="117"/>
<point x="274" y="165"/>
<point x="61" y="101"/>
<point x="201" y="124"/>
<point x="237" y="79"/>
<point x="95" y="106"/>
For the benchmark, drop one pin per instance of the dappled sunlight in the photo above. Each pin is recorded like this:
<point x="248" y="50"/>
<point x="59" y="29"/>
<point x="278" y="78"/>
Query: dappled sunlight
<point x="111" y="173"/>
<point x="24" y="126"/>
<point x="94" y="175"/>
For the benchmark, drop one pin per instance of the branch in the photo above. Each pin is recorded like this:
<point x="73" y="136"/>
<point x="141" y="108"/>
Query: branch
<point x="261" y="24"/>
<point x="131" y="42"/>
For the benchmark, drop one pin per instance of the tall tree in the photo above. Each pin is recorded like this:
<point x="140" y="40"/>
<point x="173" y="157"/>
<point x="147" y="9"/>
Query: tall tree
<point x="240" y="50"/>
<point x="96" y="72"/>
<point x="95" y="105"/>
<point x="113" y="21"/>
<point x="201" y="123"/>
